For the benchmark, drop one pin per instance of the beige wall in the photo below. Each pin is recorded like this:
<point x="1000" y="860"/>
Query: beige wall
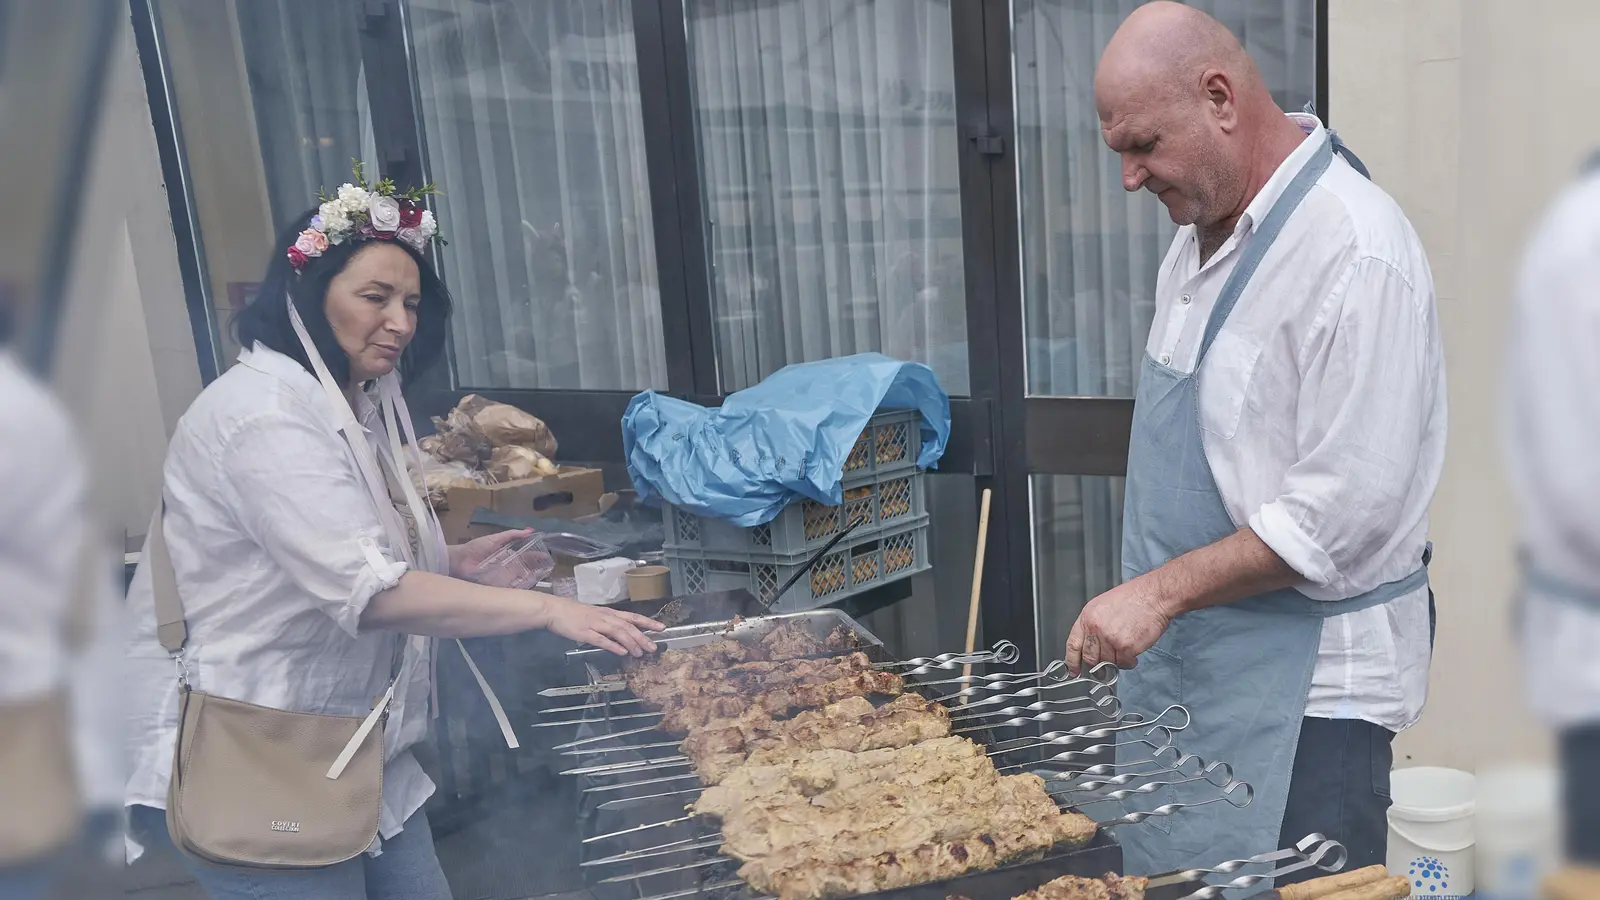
<point x="127" y="359"/>
<point x="1471" y="113"/>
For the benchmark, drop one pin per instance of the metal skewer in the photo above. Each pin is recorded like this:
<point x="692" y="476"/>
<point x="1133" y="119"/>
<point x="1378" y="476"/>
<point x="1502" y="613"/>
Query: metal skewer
<point x="1317" y="857"/>
<point x="1108" y="705"/>
<point x="664" y="850"/>
<point x="1003" y="652"/>
<point x="581" y="742"/>
<point x="1135" y="818"/>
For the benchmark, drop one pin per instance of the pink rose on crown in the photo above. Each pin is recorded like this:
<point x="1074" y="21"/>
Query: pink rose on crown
<point x="307" y="242"/>
<point x="412" y="238"/>
<point x="311" y="242"/>
<point x="384" y="214"/>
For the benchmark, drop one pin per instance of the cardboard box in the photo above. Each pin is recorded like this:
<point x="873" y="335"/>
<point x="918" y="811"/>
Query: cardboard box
<point x="571" y="493"/>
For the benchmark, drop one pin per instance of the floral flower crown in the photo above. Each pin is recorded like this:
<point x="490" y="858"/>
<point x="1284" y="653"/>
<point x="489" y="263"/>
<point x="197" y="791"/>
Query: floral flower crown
<point x="362" y="212"/>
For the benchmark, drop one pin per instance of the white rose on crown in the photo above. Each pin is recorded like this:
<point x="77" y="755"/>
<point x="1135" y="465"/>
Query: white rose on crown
<point x="428" y="227"/>
<point x="383" y="213"/>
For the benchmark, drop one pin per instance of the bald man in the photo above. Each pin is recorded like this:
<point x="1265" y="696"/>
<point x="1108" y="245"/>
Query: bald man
<point x="1288" y="434"/>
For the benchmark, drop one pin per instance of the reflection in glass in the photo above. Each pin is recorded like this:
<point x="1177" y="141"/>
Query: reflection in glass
<point x="532" y="126"/>
<point x="1090" y="251"/>
<point x="1077" y="539"/>
<point x="828" y="147"/>
<point x="271" y="103"/>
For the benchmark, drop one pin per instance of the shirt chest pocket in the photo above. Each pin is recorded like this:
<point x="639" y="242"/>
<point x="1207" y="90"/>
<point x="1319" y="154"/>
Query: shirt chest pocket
<point x="1224" y="380"/>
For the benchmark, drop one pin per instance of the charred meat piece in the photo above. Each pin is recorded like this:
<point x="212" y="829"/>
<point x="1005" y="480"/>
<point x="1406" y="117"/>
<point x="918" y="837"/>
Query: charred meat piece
<point x="984" y="849"/>
<point x="851" y="724"/>
<point x="1107" y="887"/>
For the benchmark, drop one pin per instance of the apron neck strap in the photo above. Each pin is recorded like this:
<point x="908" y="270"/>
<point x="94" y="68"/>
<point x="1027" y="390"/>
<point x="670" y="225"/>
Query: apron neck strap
<point x="1257" y="244"/>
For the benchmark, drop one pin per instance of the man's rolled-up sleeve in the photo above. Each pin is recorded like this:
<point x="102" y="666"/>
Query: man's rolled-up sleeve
<point x="297" y="493"/>
<point x="1366" y="398"/>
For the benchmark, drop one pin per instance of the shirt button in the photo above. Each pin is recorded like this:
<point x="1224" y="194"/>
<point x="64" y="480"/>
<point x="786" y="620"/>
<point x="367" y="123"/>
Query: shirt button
<point x="1184" y="299"/>
<point x="1166" y="360"/>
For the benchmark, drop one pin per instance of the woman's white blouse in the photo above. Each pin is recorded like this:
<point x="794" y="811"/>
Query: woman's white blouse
<point x="277" y="550"/>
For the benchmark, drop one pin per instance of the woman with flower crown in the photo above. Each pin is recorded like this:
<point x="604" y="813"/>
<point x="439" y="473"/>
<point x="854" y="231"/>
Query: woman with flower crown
<point x="310" y="579"/>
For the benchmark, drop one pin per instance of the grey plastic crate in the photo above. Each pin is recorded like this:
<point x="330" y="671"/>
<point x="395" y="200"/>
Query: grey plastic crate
<point x="883" y="502"/>
<point x="891" y="443"/>
<point x="856" y="564"/>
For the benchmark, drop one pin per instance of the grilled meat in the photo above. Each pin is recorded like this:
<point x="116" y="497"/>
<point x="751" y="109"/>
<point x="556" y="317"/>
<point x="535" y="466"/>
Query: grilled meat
<point x="792" y="642"/>
<point x="890" y="818"/>
<point x="694" y="713"/>
<point x="833" y="777"/>
<point x="851" y="724"/>
<point x="679" y="679"/>
<point x="1108" y="887"/>
<point x="792" y="879"/>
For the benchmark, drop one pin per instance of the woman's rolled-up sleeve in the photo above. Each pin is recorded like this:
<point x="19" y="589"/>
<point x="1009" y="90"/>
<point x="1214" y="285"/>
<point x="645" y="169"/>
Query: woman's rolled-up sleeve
<point x="297" y="493"/>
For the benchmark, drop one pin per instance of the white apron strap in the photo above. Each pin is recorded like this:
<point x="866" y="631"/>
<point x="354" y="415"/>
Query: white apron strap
<point x="432" y="545"/>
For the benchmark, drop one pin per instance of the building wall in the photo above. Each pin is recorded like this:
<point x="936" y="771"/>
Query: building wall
<point x="126" y="364"/>
<point x="1469" y="113"/>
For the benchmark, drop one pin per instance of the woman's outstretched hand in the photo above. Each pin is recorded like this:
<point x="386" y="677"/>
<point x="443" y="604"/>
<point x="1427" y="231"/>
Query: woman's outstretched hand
<point x="609" y="629"/>
<point x="466" y="558"/>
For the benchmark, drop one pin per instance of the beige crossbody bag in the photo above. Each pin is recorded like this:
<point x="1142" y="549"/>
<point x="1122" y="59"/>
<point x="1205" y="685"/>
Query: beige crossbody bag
<point x="258" y="787"/>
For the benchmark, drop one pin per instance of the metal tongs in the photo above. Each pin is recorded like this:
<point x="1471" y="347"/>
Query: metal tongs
<point x="1312" y="851"/>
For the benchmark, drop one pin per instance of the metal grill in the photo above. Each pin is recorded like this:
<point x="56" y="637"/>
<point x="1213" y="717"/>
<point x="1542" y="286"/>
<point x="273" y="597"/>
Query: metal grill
<point x="1099" y="756"/>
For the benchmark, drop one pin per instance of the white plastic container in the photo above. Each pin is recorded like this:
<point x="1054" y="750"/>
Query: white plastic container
<point x="1518" y="831"/>
<point x="1432" y="831"/>
<point x="601" y="582"/>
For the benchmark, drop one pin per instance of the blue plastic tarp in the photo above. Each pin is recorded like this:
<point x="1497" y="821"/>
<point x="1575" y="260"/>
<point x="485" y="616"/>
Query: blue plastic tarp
<point x="777" y="442"/>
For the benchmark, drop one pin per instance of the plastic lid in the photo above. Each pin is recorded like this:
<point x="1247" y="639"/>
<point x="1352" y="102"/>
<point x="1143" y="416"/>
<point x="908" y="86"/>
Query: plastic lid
<point x="575" y="546"/>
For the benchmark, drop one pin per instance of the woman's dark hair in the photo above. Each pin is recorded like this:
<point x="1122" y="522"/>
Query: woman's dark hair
<point x="266" y="319"/>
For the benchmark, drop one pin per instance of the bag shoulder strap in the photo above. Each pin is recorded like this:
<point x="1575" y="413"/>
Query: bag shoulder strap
<point x="171" y="629"/>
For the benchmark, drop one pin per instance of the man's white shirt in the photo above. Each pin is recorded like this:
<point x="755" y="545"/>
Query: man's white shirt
<point x="1323" y="414"/>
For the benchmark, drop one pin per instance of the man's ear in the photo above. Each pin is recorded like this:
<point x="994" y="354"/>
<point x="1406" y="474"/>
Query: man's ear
<point x="1220" y="98"/>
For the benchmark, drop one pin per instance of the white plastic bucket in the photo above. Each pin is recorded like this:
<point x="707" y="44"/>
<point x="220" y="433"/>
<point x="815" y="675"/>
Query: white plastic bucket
<point x="1518" y="835"/>
<point x="1431" y="831"/>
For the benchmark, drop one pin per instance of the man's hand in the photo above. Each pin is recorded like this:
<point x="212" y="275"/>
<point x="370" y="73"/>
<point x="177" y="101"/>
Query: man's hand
<point x="1127" y="620"/>
<point x="1118" y="625"/>
<point x="466" y="558"/>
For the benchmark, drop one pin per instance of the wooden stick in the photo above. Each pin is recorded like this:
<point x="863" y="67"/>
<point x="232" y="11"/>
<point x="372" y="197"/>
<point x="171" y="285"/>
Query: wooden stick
<point x="1396" y="888"/>
<point x="977" y="581"/>
<point x="1317" y="888"/>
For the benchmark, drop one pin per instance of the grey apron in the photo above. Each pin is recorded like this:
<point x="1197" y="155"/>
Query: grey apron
<point x="1243" y="670"/>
